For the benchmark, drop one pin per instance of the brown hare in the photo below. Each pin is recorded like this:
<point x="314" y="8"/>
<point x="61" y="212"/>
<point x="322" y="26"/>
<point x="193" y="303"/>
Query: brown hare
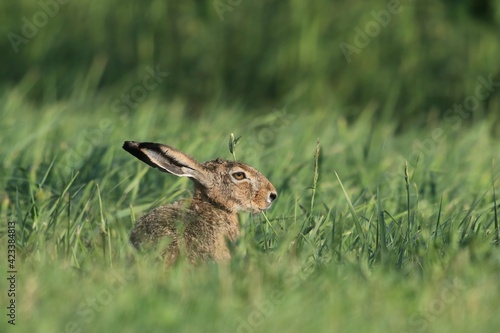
<point x="200" y="226"/>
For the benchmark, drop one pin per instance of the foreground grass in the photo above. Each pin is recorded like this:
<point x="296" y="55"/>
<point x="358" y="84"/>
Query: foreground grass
<point x="374" y="230"/>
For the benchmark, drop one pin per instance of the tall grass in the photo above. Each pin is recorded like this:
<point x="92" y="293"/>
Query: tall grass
<point x="387" y="217"/>
<point x="363" y="236"/>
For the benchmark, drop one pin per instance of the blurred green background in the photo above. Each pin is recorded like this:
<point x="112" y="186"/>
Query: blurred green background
<point x="425" y="57"/>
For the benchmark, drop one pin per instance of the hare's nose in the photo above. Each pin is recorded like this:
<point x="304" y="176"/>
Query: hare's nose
<point x="272" y="197"/>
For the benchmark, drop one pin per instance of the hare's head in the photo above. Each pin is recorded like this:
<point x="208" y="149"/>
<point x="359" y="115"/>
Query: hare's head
<point x="230" y="185"/>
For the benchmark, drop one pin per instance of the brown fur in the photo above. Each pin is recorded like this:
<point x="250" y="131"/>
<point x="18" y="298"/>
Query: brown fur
<point x="200" y="226"/>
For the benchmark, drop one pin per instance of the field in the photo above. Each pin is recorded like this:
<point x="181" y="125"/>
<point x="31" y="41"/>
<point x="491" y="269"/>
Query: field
<point x="387" y="245"/>
<point x="387" y="214"/>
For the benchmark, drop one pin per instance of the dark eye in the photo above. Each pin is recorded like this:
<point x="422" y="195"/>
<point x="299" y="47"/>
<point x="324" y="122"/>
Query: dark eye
<point x="239" y="175"/>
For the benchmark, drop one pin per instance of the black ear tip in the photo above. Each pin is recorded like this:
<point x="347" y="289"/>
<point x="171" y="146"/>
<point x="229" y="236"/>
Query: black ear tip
<point x="141" y="150"/>
<point x="130" y="145"/>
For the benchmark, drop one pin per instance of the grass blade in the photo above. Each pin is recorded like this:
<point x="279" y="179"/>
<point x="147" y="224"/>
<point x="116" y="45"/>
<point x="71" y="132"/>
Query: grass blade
<point x="354" y="215"/>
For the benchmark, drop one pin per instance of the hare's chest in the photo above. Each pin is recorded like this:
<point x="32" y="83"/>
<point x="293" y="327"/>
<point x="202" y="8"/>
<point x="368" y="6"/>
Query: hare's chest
<point x="207" y="236"/>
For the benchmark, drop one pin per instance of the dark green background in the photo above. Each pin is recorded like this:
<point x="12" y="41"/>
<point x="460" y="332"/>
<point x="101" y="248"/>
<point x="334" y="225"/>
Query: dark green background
<point x="260" y="54"/>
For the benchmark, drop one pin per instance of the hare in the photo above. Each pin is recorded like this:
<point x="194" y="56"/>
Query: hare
<point x="199" y="226"/>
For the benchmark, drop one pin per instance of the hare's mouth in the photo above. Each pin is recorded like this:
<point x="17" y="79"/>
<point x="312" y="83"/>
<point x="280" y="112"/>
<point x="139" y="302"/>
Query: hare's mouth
<point x="262" y="210"/>
<point x="268" y="206"/>
<point x="257" y="210"/>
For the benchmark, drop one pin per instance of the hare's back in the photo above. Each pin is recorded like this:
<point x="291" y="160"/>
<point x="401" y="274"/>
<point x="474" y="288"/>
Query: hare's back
<point x="158" y="223"/>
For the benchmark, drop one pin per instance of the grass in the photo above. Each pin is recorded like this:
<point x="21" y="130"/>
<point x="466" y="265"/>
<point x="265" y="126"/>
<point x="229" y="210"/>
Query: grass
<point x="374" y="230"/>
<point x="387" y="216"/>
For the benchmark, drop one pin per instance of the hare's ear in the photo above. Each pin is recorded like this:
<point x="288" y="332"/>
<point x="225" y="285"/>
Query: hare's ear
<point x="168" y="159"/>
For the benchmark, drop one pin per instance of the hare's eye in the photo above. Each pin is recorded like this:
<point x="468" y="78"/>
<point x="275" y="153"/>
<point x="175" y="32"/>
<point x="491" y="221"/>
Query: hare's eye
<point x="239" y="175"/>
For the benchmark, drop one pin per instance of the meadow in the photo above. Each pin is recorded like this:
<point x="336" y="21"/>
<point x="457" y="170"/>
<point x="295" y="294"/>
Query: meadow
<point x="386" y="166"/>
<point x="362" y="238"/>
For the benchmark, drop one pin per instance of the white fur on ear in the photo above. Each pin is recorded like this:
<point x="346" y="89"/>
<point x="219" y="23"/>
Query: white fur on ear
<point x="168" y="159"/>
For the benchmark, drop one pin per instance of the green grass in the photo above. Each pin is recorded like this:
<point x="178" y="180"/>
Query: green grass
<point x="387" y="216"/>
<point x="365" y="236"/>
